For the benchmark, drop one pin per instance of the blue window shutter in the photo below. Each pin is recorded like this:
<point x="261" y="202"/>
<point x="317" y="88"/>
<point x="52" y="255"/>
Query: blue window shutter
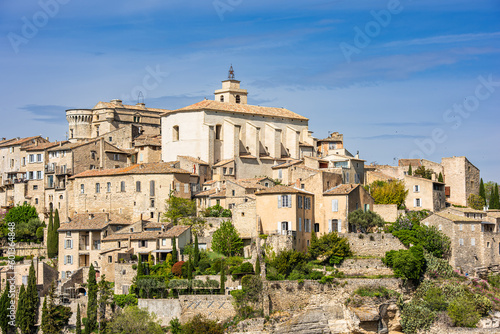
<point x="340" y="226"/>
<point x="279" y="201"/>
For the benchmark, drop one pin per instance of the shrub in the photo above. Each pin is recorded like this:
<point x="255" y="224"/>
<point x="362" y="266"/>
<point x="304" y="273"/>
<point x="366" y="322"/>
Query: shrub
<point x="409" y="264"/>
<point x="125" y="300"/>
<point x="415" y="316"/>
<point x="204" y="264"/>
<point x="177" y="268"/>
<point x="315" y="275"/>
<point x="373" y="291"/>
<point x="330" y="248"/>
<point x="287" y="260"/>
<point x="463" y="312"/>
<point x="435" y="299"/>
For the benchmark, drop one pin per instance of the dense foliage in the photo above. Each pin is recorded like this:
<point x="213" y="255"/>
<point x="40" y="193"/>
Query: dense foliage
<point x="199" y="324"/>
<point x="365" y="220"/>
<point x="54" y="317"/>
<point x="476" y="202"/>
<point x="134" y="320"/>
<point x="226" y="239"/>
<point x="406" y="263"/>
<point x="26" y="222"/>
<point x="329" y="248"/>
<point x="92" y="301"/>
<point x="216" y="211"/>
<point x="178" y="207"/>
<point x="393" y="192"/>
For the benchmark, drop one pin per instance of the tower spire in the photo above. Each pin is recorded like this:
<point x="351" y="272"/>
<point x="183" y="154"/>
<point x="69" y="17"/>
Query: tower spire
<point x="231" y="73"/>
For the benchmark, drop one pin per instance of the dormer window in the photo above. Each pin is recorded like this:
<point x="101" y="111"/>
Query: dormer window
<point x="238" y="100"/>
<point x="222" y="98"/>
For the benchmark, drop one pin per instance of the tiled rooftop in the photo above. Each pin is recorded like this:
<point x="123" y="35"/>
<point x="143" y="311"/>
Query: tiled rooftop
<point x="149" y="168"/>
<point x="94" y="222"/>
<point x="342" y="189"/>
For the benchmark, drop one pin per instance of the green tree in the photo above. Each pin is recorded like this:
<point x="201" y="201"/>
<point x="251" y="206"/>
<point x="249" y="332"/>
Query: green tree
<point x="56" y="316"/>
<point x="423" y="172"/>
<point x="196" y="252"/>
<point x="178" y="207"/>
<point x="4" y="312"/>
<point x="393" y="192"/>
<point x="55" y="233"/>
<point x="92" y="301"/>
<point x="175" y="255"/>
<point x="32" y="300"/>
<point x="50" y="237"/>
<point x="475" y="201"/>
<point x="22" y="316"/>
<point x="482" y="190"/>
<point x="199" y="324"/>
<point x="189" y="269"/>
<point x="105" y="294"/>
<point x="496" y="200"/>
<point x="78" y="320"/>
<point x="134" y="320"/>
<point x="21" y="213"/>
<point x="410" y="170"/>
<point x="440" y="177"/>
<point x="287" y="260"/>
<point x="223" y="278"/>
<point x="257" y="266"/>
<point x="408" y="263"/>
<point x="226" y="239"/>
<point x="140" y="267"/>
<point x="330" y="248"/>
<point x="365" y="219"/>
<point x="26" y="222"/>
<point x="492" y="202"/>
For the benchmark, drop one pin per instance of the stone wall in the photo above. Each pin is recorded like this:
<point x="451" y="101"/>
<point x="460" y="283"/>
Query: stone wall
<point x="27" y="249"/>
<point x="364" y="267"/>
<point x="244" y="219"/>
<point x="214" y="307"/>
<point x="124" y="274"/>
<point x="389" y="212"/>
<point x="377" y="247"/>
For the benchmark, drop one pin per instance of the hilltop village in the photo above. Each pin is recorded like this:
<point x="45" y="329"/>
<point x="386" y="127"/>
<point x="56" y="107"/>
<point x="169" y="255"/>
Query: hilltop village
<point x="113" y="181"/>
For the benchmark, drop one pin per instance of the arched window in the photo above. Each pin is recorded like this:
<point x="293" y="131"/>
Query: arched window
<point x="175" y="133"/>
<point x="237" y="99"/>
<point x="222" y="98"/>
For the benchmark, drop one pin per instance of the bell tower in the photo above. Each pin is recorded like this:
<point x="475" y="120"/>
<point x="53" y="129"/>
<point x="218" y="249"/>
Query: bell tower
<point x="231" y="91"/>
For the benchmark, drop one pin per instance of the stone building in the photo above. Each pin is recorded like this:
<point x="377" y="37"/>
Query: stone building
<point x="135" y="191"/>
<point x="338" y="202"/>
<point x="44" y="273"/>
<point x="197" y="167"/>
<point x="286" y="211"/>
<point x="228" y="129"/>
<point x="243" y="190"/>
<point x="105" y="118"/>
<point x="80" y="240"/>
<point x="424" y="194"/>
<point x="462" y="179"/>
<point x="474" y="237"/>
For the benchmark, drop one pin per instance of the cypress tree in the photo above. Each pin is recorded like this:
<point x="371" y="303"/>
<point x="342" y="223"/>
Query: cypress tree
<point x="50" y="237"/>
<point x="189" y="269"/>
<point x="223" y="278"/>
<point x="22" y="316"/>
<point x="55" y="233"/>
<point x="92" y="301"/>
<point x="482" y="190"/>
<point x="32" y="299"/>
<point x="409" y="170"/>
<point x="140" y="268"/>
<point x="497" y="199"/>
<point x="175" y="256"/>
<point x="45" y="316"/>
<point x="257" y="266"/>
<point x="196" y="257"/>
<point x="78" y="321"/>
<point x="4" y="312"/>
<point x="441" y="179"/>
<point x="491" y="204"/>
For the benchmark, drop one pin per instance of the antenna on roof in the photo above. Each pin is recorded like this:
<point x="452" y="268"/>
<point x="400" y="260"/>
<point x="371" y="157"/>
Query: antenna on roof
<point x="140" y="97"/>
<point x="230" y="76"/>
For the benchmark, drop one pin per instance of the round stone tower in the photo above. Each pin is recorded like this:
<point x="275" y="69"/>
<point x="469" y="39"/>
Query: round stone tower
<point x="80" y="124"/>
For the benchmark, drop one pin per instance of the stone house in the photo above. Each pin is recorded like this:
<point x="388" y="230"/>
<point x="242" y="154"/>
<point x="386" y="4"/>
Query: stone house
<point x="142" y="239"/>
<point x="338" y="202"/>
<point x="80" y="240"/>
<point x="44" y="273"/>
<point x="211" y="197"/>
<point x="286" y="211"/>
<point x="462" y="179"/>
<point x="330" y="145"/>
<point x="424" y="194"/>
<point x="148" y="149"/>
<point x="134" y="191"/>
<point x="243" y="190"/>
<point x="474" y="237"/>
<point x="196" y="167"/>
<point x="228" y="128"/>
<point x="107" y="117"/>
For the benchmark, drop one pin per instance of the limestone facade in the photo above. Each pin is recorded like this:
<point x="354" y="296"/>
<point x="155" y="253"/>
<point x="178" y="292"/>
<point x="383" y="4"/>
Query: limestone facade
<point x="462" y="178"/>
<point x="424" y="194"/>
<point x="134" y="192"/>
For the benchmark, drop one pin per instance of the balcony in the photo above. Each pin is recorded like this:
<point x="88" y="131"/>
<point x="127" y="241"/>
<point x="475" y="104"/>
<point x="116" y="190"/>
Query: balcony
<point x="84" y="247"/>
<point x="60" y="186"/>
<point x="62" y="170"/>
<point x="282" y="232"/>
<point x="49" y="169"/>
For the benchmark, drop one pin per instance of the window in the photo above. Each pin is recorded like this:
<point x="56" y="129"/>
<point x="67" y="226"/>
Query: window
<point x="418" y="202"/>
<point x="110" y="259"/>
<point x="97" y="130"/>
<point x="175" y="133"/>
<point x="138" y="186"/>
<point x="32" y="158"/>
<point x="137" y="119"/>
<point x="143" y="243"/>
<point x="333" y="226"/>
<point x="280" y="174"/>
<point x="116" y="157"/>
<point x="68" y="259"/>
<point x="316" y="227"/>
<point x="222" y="98"/>
<point x="36" y="200"/>
<point x="82" y="189"/>
<point x="332" y="146"/>
<point x="151" y="188"/>
<point x="300" y="224"/>
<point x="68" y="244"/>
<point x="299" y="202"/>
<point x="186" y="188"/>
<point x="24" y="161"/>
<point x="307" y="203"/>
<point x="416" y="189"/>
<point x="152" y="214"/>
<point x="230" y="170"/>
<point x="178" y="187"/>
<point x="224" y="170"/>
<point x="367" y="207"/>
<point x="108" y="187"/>
<point x="152" y="204"/>
<point x="122" y="186"/>
<point x="335" y="205"/>
<point x="238" y="100"/>
<point x="284" y="201"/>
<point x="472" y="241"/>
<point x="218" y="131"/>
<point x="39" y="158"/>
<point x="97" y="188"/>
<point x="233" y="192"/>
<point x="460" y="227"/>
<point x="93" y="154"/>
<point x="461" y="242"/>
<point x="472" y="228"/>
<point x="110" y="139"/>
<point x="307" y="225"/>
<point x="35" y="187"/>
<point x="31" y="176"/>
<point x="97" y="244"/>
<point x="68" y="234"/>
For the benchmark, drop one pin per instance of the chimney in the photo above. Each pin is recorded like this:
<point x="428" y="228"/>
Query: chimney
<point x="47" y="138"/>
<point x="107" y="217"/>
<point x="141" y="217"/>
<point x="91" y="215"/>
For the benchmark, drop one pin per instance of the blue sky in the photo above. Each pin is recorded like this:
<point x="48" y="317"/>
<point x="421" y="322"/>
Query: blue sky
<point x="421" y="81"/>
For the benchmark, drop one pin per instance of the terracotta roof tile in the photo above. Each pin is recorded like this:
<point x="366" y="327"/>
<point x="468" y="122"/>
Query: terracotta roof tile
<point x="408" y="162"/>
<point x="243" y="109"/>
<point x="194" y="160"/>
<point x="223" y="162"/>
<point x="280" y="189"/>
<point x="342" y="189"/>
<point x="455" y="218"/>
<point x="149" y="168"/>
<point x="97" y="222"/>
<point x="18" y="141"/>
<point x="111" y="105"/>
<point x="43" y="146"/>
<point x="149" y="235"/>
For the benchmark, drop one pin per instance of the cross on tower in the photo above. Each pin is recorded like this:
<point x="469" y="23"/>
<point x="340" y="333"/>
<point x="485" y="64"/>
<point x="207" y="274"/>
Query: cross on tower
<point x="231" y="73"/>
